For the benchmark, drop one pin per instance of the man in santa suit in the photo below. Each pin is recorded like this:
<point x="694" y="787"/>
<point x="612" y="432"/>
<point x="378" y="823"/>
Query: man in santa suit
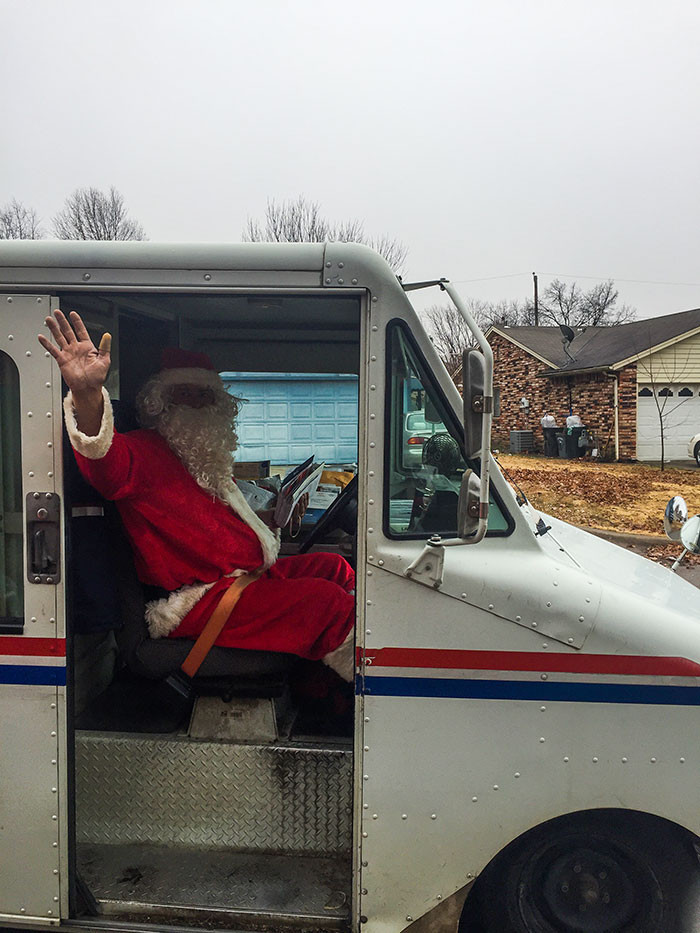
<point x="191" y="530"/>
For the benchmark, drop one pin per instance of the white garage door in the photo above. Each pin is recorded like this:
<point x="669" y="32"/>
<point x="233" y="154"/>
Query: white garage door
<point x="680" y="408"/>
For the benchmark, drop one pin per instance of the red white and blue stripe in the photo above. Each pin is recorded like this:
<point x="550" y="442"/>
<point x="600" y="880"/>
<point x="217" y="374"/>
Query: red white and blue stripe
<point x="521" y="675"/>
<point x="36" y="661"/>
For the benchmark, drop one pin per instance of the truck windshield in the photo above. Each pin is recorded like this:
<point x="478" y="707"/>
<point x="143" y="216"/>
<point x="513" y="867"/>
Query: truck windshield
<point x="425" y="460"/>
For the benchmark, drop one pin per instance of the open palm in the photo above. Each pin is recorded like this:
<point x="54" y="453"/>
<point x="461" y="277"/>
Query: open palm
<point x="83" y="365"/>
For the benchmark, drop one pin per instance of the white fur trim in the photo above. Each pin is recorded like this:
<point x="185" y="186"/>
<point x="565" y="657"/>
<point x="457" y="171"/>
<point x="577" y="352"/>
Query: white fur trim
<point x="189" y="376"/>
<point x="164" y="615"/>
<point x="94" y="448"/>
<point x="342" y="659"/>
<point x="269" y="540"/>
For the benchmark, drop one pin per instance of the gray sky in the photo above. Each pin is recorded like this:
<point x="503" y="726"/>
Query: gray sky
<point x="492" y="138"/>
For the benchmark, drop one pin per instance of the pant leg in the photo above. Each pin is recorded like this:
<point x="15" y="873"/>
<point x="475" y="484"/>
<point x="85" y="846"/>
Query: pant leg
<point x="320" y="565"/>
<point x="306" y="617"/>
<point x="303" y="605"/>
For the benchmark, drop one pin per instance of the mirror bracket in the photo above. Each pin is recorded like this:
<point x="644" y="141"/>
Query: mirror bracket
<point x="470" y="510"/>
<point x="429" y="566"/>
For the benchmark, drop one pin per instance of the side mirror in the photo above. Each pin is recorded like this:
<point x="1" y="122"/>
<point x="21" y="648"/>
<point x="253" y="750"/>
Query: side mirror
<point x="675" y="516"/>
<point x="468" y="510"/>
<point x="473" y="381"/>
<point x="690" y="535"/>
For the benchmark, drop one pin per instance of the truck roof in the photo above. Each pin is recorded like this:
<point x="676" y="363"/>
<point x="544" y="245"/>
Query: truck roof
<point x="145" y="254"/>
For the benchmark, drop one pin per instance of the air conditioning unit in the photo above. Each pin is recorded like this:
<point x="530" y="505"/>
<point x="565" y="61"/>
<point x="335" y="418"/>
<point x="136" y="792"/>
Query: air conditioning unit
<point x="521" y="441"/>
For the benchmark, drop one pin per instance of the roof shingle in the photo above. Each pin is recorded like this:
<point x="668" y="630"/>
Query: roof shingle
<point x="602" y="347"/>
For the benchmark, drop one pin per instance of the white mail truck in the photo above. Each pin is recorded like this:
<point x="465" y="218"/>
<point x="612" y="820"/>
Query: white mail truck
<point x="521" y="749"/>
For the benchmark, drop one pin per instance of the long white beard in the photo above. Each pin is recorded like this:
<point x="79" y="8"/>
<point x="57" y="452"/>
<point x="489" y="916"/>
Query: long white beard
<point x="204" y="440"/>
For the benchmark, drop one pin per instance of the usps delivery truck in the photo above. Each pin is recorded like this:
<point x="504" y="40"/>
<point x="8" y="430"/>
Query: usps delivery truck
<point x="524" y="749"/>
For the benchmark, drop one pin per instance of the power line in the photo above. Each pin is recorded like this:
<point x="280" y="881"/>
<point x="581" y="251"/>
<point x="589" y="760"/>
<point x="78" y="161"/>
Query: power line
<point x="571" y="275"/>
<point x="599" y="278"/>
<point x="491" y="278"/>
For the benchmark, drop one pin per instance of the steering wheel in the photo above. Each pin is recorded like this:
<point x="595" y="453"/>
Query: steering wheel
<point x="342" y="513"/>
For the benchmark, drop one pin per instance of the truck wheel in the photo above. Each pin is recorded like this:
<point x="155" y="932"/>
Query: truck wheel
<point x="696" y="451"/>
<point x="591" y="873"/>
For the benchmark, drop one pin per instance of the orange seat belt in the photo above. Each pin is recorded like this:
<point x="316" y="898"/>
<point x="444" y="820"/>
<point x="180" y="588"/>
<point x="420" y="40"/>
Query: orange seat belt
<point x="216" y="621"/>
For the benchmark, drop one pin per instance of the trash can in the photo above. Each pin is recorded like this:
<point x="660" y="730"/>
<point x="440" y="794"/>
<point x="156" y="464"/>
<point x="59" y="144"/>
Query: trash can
<point x="574" y="448"/>
<point x="550" y="441"/>
<point x="561" y="445"/>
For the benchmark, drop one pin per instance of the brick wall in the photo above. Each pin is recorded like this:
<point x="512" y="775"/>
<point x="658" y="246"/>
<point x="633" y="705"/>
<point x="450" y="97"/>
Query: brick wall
<point x="627" y="411"/>
<point x="591" y="396"/>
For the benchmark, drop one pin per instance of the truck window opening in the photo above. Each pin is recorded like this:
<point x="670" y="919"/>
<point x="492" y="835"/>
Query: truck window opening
<point x="425" y="458"/>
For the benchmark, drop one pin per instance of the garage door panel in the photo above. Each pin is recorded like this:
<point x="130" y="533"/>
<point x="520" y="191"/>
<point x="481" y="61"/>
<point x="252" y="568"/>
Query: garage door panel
<point x="681" y="419"/>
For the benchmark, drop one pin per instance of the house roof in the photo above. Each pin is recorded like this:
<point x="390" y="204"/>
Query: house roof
<point x="602" y="347"/>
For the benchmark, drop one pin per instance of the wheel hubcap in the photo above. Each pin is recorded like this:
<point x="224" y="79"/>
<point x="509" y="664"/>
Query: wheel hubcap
<point x="588" y="892"/>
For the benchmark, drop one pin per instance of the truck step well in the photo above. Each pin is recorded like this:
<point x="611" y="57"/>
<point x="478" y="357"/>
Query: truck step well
<point x="217" y="888"/>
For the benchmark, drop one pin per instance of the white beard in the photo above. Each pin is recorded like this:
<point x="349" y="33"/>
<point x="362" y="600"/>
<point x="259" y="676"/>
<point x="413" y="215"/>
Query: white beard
<point x="204" y="440"/>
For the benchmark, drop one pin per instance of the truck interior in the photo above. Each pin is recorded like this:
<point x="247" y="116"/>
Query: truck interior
<point x="230" y="806"/>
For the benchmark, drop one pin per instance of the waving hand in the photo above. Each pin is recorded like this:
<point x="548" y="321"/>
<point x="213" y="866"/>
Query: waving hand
<point x="83" y="366"/>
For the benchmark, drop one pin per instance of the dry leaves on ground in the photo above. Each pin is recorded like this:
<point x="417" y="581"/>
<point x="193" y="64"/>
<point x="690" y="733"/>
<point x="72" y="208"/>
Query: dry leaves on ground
<point x="666" y="554"/>
<point x="626" y="497"/>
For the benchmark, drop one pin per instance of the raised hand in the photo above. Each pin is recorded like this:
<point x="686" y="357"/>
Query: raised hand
<point x="84" y="366"/>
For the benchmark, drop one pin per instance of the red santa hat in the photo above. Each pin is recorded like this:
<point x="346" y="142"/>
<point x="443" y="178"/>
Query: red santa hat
<point x="187" y="367"/>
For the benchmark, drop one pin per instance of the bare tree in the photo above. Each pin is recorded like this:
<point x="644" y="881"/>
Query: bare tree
<point x="301" y="221"/>
<point x="451" y="336"/>
<point x="569" y="304"/>
<point x="18" y="222"/>
<point x="90" y="214"/>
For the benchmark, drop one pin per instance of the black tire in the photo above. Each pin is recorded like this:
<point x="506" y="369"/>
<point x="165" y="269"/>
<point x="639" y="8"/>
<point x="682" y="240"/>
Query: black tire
<point x="696" y="451"/>
<point x="600" y="872"/>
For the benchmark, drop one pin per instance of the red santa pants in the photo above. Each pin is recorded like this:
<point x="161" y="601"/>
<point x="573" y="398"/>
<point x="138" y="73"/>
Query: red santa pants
<point x="302" y="605"/>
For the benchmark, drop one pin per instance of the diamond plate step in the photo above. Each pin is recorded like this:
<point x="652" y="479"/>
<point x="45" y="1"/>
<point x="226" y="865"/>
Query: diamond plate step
<point x="216" y="888"/>
<point x="172" y="791"/>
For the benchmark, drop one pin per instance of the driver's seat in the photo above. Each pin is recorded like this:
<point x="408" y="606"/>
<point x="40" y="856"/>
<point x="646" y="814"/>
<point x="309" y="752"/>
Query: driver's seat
<point x="226" y="671"/>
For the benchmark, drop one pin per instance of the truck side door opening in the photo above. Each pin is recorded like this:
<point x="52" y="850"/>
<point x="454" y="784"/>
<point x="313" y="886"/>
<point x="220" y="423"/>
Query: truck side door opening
<point x="169" y="826"/>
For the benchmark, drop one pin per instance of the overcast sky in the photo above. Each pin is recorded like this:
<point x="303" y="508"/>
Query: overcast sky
<point x="492" y="138"/>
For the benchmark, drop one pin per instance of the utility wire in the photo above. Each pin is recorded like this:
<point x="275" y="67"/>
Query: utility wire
<point x="571" y="275"/>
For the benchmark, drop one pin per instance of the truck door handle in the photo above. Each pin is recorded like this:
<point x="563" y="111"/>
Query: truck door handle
<point x="43" y="537"/>
<point x="42" y="561"/>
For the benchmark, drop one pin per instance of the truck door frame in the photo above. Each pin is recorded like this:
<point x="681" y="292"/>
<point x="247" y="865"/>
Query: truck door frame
<point x="34" y="777"/>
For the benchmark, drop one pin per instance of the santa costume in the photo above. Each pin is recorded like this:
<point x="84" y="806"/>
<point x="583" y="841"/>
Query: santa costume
<point x="193" y="542"/>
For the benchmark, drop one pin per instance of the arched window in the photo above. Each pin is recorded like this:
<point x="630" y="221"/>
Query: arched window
<point x="645" y="393"/>
<point x="665" y="393"/>
<point x="686" y="392"/>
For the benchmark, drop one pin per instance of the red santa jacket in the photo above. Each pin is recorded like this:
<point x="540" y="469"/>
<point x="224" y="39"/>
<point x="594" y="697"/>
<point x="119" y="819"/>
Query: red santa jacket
<point x="181" y="535"/>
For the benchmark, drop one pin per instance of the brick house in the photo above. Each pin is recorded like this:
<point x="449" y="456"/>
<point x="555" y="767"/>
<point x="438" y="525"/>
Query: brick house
<point x="615" y="378"/>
